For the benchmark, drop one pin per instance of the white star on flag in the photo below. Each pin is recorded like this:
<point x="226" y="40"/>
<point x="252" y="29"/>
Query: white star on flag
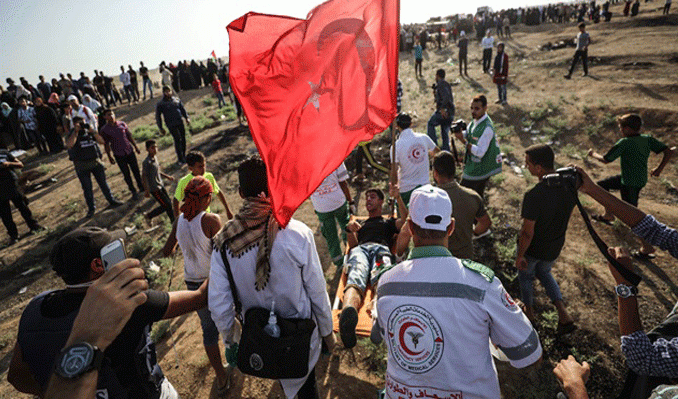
<point x="314" y="98"/>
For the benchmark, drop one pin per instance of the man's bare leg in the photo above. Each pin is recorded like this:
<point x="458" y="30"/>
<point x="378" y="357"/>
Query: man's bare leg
<point x="348" y="320"/>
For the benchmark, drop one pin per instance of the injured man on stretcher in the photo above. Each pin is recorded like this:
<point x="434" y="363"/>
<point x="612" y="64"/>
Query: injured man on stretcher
<point x="369" y="256"/>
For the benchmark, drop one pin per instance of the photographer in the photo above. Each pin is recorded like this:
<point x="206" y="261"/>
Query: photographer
<point x="444" y="111"/>
<point x="546" y="212"/>
<point x="655" y="353"/>
<point x="83" y="149"/>
<point x="483" y="157"/>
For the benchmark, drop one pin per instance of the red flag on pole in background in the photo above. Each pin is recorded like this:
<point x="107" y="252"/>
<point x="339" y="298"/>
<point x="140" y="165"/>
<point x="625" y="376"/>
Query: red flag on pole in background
<point x="214" y="55"/>
<point x="312" y="89"/>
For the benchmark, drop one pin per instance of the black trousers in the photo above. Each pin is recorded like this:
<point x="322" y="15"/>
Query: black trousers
<point x="309" y="390"/>
<point x="179" y="135"/>
<point x="163" y="199"/>
<point x="128" y="163"/>
<point x="21" y="204"/>
<point x="487" y="59"/>
<point x="476" y="185"/>
<point x="583" y="55"/>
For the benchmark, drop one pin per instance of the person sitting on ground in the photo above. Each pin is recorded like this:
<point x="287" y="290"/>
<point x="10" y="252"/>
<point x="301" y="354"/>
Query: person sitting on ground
<point x="412" y="151"/>
<point x="128" y="367"/>
<point x="369" y="256"/>
<point x="633" y="149"/>
<point x="195" y="161"/>
<point x="468" y="208"/>
<point x="437" y="313"/>
<point x="194" y="230"/>
<point x="151" y="176"/>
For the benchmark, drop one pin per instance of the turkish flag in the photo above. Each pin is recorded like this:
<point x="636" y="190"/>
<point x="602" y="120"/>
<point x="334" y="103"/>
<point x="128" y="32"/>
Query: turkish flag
<point x="312" y="89"/>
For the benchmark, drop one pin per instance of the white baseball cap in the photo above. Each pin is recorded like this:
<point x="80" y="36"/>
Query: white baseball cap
<point x="431" y="208"/>
<point x="72" y="97"/>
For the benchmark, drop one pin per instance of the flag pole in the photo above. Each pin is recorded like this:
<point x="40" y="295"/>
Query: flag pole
<point x="394" y="174"/>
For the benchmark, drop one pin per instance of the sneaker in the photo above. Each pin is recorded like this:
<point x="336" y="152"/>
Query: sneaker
<point x="348" y="320"/>
<point x="115" y="203"/>
<point x="498" y="102"/>
<point x="13" y="240"/>
<point x="567" y="77"/>
<point x="90" y="213"/>
<point x="135" y="196"/>
<point x="36" y="228"/>
<point x="584" y="75"/>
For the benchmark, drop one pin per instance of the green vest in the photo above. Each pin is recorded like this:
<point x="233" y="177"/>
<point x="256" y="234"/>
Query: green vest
<point x="490" y="164"/>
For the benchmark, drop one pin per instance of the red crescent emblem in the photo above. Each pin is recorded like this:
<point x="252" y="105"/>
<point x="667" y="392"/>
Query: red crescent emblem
<point x="402" y="338"/>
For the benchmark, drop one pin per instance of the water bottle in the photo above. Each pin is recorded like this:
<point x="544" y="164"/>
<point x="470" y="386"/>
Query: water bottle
<point x="272" y="328"/>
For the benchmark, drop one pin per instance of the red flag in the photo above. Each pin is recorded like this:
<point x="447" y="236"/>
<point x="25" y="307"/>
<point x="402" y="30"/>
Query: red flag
<point x="312" y="89"/>
<point x="214" y="55"/>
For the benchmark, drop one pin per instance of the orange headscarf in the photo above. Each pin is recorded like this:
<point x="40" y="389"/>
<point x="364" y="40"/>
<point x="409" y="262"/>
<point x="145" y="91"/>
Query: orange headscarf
<point x="195" y="190"/>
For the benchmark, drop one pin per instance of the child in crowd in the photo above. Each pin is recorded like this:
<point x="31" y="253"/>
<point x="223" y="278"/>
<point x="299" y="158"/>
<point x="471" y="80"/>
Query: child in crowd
<point x="633" y="149"/>
<point x="153" y="185"/>
<point x="195" y="160"/>
<point x="216" y="86"/>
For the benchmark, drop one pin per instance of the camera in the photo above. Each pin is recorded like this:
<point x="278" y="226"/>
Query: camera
<point x="434" y="86"/>
<point x="458" y="126"/>
<point x="564" y="177"/>
<point x="85" y="126"/>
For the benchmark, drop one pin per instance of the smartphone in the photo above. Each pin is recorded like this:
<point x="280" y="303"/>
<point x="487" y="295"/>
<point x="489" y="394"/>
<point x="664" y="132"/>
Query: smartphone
<point x="113" y="253"/>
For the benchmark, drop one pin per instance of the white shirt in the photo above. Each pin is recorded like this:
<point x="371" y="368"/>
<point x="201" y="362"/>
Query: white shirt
<point x="439" y="343"/>
<point x="87" y="115"/>
<point x="487" y="42"/>
<point x="412" y="158"/>
<point x="125" y="79"/>
<point x="297" y="284"/>
<point x="196" y="247"/>
<point x="483" y="144"/>
<point x="166" y="77"/>
<point x="329" y="196"/>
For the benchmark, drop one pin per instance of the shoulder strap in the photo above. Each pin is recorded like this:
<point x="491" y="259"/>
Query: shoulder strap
<point x="231" y="282"/>
<point x="483" y="270"/>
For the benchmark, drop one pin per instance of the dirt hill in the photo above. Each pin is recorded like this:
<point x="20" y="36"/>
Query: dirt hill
<point x="633" y="65"/>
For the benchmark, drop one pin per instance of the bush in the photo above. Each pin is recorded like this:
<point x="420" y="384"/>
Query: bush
<point x="144" y="132"/>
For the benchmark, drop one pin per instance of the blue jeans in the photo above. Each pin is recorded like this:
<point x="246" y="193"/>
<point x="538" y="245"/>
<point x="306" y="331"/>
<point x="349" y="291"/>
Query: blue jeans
<point x="86" y="182"/>
<point x="210" y="333"/>
<point x="150" y="87"/>
<point x="438" y="120"/>
<point x="541" y="269"/>
<point x="220" y="99"/>
<point x="502" y="92"/>
<point x="365" y="262"/>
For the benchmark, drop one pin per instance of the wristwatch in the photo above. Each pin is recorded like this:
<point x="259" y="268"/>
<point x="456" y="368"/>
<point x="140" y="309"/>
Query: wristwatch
<point x="626" y="291"/>
<point x="78" y="359"/>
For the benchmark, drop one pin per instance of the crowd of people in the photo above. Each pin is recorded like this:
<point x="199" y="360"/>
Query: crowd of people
<point x="435" y="306"/>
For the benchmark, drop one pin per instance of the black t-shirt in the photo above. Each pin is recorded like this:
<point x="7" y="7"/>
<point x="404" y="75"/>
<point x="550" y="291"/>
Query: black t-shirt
<point x="378" y="230"/>
<point x="550" y="208"/>
<point x="131" y="355"/>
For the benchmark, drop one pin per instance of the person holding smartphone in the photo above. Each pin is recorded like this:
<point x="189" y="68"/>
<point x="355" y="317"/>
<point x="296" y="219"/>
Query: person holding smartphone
<point x="128" y="365"/>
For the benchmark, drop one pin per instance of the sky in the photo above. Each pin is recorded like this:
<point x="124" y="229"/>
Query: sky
<point x="41" y="37"/>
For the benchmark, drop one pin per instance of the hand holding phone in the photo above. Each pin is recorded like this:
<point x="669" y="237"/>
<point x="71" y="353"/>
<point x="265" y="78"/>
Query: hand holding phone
<point x="113" y="253"/>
